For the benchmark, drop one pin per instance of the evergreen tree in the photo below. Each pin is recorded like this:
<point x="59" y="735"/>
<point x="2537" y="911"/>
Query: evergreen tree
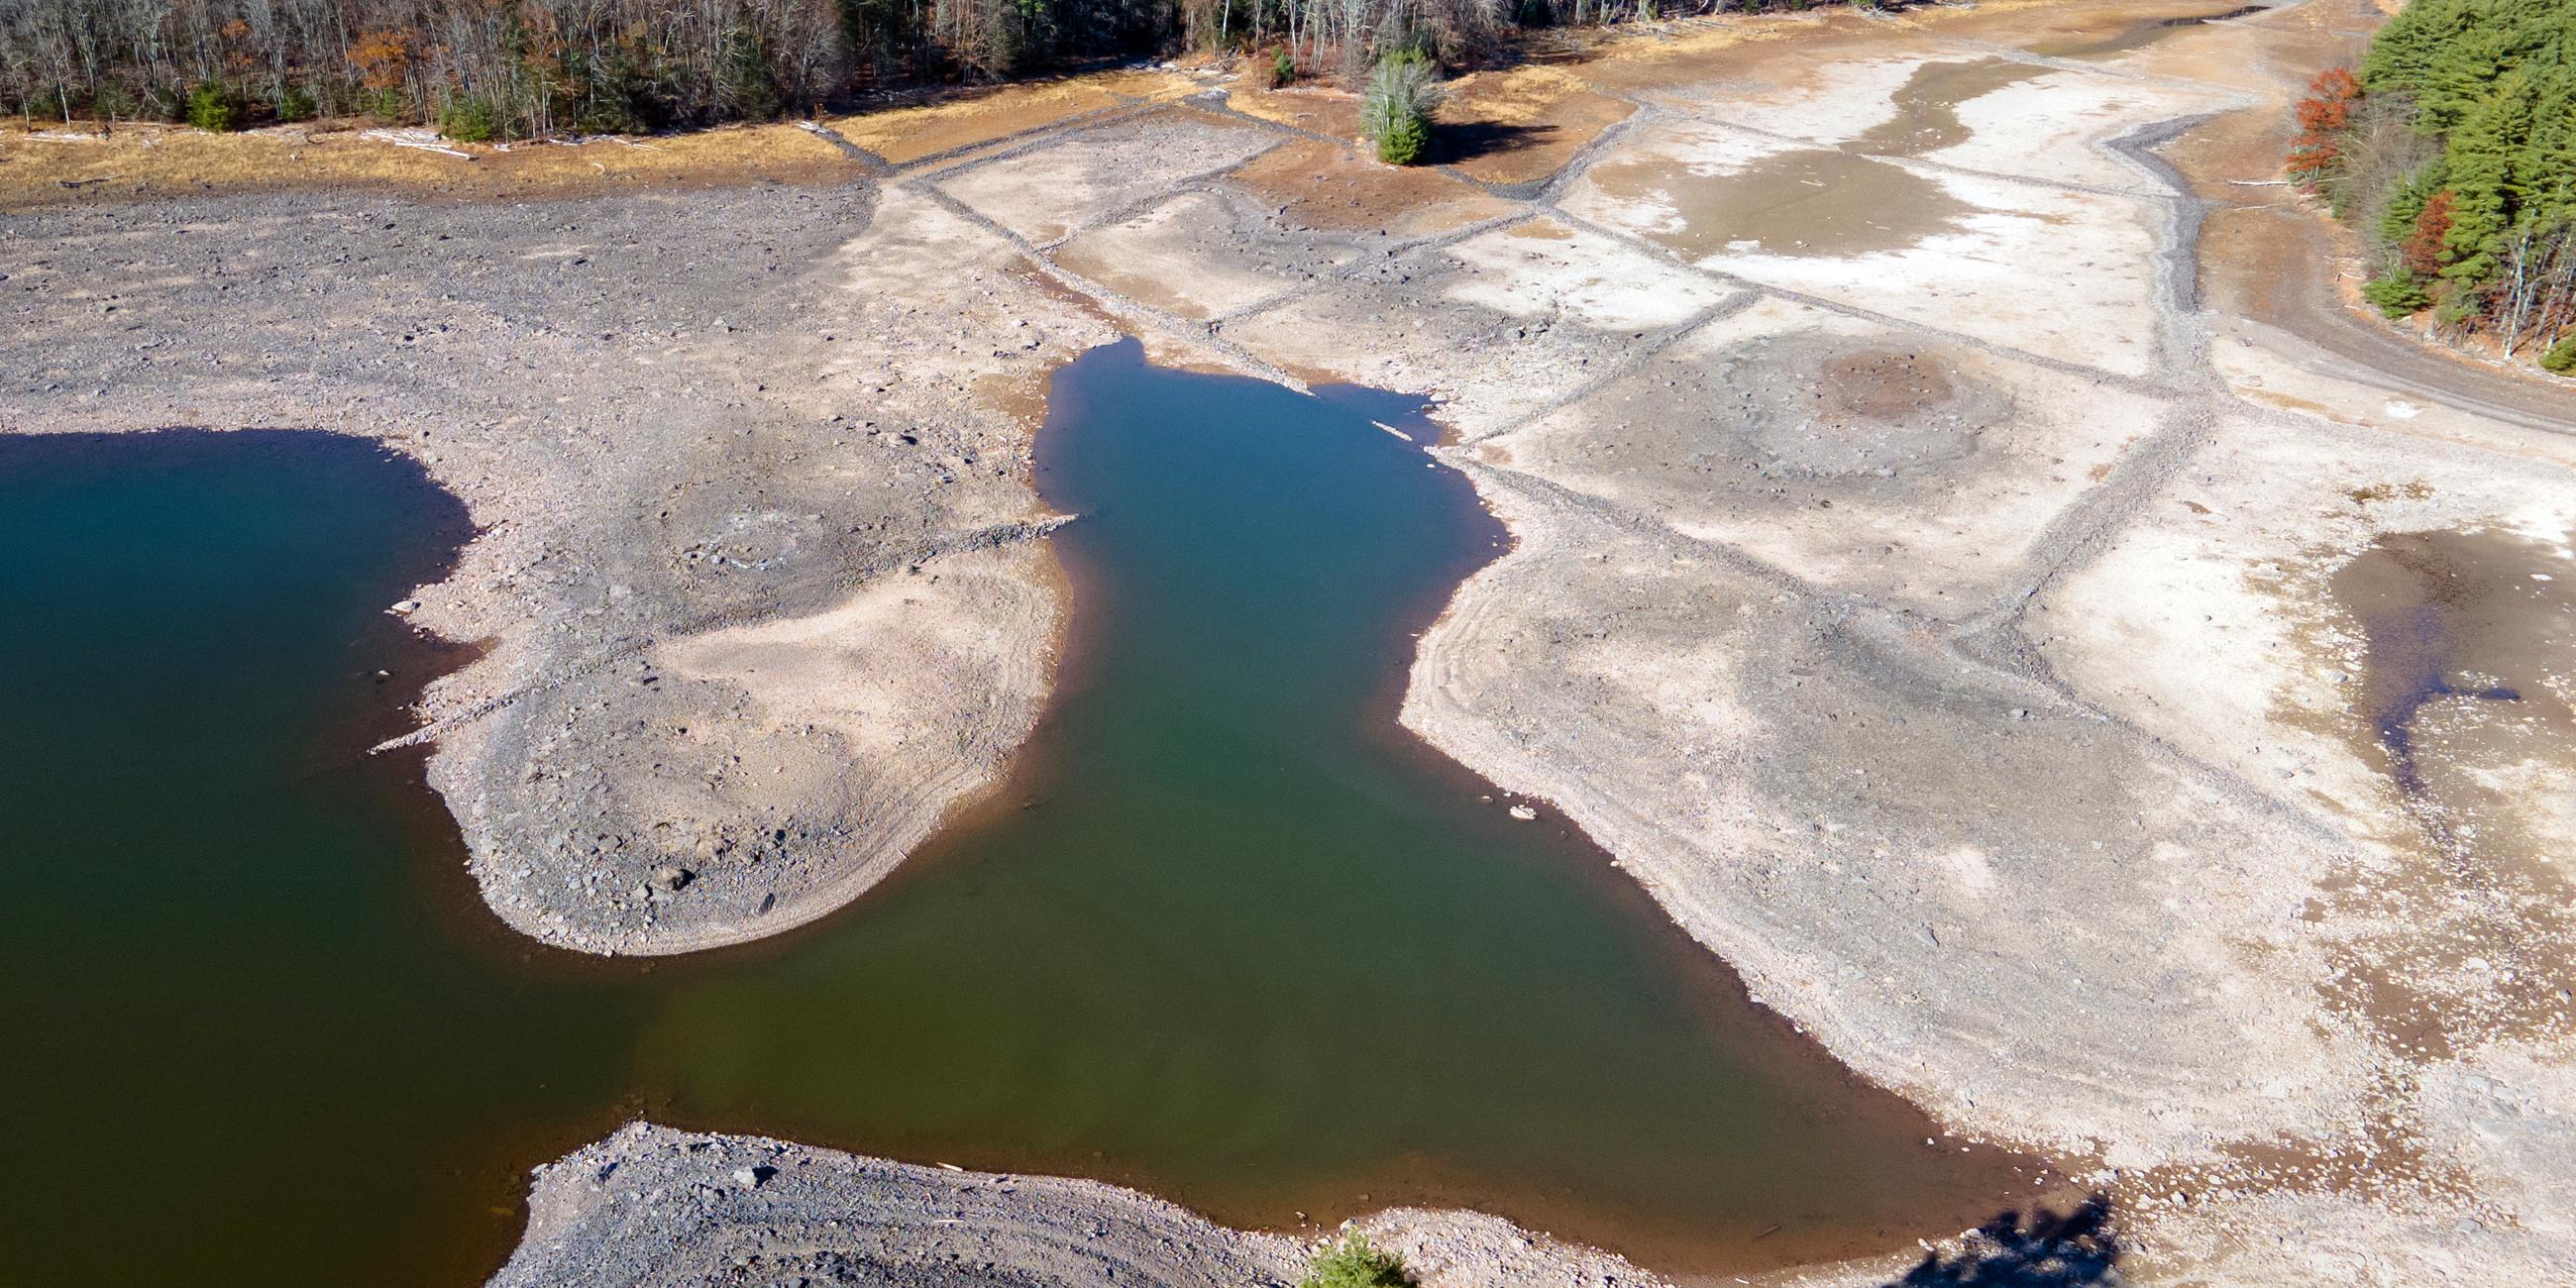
<point x="2493" y="84"/>
<point x="2407" y="202"/>
<point x="2547" y="166"/>
<point x="2483" y="189"/>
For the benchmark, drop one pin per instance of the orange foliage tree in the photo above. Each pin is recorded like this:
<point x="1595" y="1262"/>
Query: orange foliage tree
<point x="2322" y="117"/>
<point x="2422" y="250"/>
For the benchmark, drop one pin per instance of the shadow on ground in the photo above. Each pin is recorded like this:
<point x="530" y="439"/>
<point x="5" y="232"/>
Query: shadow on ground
<point x="1468" y="140"/>
<point x="2047" y="1250"/>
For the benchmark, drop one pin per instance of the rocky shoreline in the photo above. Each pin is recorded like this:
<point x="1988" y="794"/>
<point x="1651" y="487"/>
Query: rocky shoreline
<point x="651" y="1206"/>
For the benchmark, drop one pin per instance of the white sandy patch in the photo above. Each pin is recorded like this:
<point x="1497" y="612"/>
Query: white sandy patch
<point x="1837" y="103"/>
<point x="1971" y="873"/>
<point x="1544" y="269"/>
<point x="2545" y="793"/>
<point x="1685" y="147"/>
<point x="2068" y="275"/>
<point x="2052" y="127"/>
<point x="900" y="667"/>
<point x="1046" y="194"/>
<point x="1695" y="147"/>
<point x="914" y="243"/>
<point x="2209" y="624"/>
<point x="1166" y="258"/>
<point x="1945" y="546"/>
<point x="2262" y="365"/>
<point x="2506" y="1114"/>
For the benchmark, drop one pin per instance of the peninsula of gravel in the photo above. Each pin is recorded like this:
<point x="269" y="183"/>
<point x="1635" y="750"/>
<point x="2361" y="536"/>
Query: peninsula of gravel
<point x="1958" y="524"/>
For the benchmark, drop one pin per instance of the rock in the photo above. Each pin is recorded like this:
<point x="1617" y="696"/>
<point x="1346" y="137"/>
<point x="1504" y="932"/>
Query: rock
<point x="1524" y="813"/>
<point x="751" y="1178"/>
<point x="404" y="607"/>
<point x="670" y="878"/>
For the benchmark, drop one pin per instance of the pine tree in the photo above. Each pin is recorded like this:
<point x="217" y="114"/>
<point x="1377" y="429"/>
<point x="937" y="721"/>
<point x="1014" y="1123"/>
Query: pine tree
<point x="2397" y="223"/>
<point x="2425" y="247"/>
<point x="2482" y="184"/>
<point x="2547" y="165"/>
<point x="2401" y="57"/>
<point x="1396" y="111"/>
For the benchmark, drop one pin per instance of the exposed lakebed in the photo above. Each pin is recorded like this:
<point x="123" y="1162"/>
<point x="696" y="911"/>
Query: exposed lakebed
<point x="1227" y="933"/>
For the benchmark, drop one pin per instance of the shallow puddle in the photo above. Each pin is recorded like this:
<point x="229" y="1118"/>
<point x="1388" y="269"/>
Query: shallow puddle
<point x="1228" y="933"/>
<point x="1823" y="201"/>
<point x="2138" y="34"/>
<point x="1811" y="201"/>
<point x="2468" y="658"/>
<point x="1927" y="106"/>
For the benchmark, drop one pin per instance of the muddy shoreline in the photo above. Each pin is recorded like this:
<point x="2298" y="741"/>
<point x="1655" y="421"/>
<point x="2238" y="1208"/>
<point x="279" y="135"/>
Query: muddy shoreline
<point x="1872" y="697"/>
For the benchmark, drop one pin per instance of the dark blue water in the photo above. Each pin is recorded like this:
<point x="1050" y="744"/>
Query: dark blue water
<point x="1227" y="933"/>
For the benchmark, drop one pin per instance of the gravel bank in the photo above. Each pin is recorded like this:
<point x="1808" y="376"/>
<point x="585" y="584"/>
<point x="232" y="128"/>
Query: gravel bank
<point x="649" y="1207"/>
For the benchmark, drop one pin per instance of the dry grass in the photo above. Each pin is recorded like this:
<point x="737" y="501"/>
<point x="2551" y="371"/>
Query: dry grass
<point x="1320" y="109"/>
<point x="1652" y="55"/>
<point x="1326" y="185"/>
<point x="1524" y="124"/>
<point x="37" y="167"/>
<point x="903" y="135"/>
<point x="965" y="119"/>
<point x="42" y="166"/>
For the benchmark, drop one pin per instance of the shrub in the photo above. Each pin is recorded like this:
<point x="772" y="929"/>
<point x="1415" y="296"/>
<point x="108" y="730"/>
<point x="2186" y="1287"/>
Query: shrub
<point x="469" y="120"/>
<point x="1352" y="1263"/>
<point x="1283" y="67"/>
<point x="746" y="91"/>
<point x="2397" y="294"/>
<point x="2424" y="248"/>
<point x="609" y="94"/>
<point x="382" y="104"/>
<point x="294" y="103"/>
<point x="114" y="102"/>
<point x="211" y="108"/>
<point x="2323" y="116"/>
<point x="46" y="102"/>
<point x="1396" y="111"/>
<point x="2561" y="357"/>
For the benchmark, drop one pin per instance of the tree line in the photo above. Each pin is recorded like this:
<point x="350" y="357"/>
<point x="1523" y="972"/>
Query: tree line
<point x="2453" y="153"/>
<point x="519" y="68"/>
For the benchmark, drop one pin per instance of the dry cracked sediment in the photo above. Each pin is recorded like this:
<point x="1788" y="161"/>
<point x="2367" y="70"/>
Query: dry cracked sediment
<point x="1949" y="616"/>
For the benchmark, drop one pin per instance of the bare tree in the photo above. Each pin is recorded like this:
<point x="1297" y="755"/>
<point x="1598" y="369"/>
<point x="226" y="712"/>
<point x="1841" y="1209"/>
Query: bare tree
<point x="2535" y="292"/>
<point x="538" y="66"/>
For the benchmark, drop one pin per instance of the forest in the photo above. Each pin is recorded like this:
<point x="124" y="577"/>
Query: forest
<point x="481" y="69"/>
<point x="2453" y="153"/>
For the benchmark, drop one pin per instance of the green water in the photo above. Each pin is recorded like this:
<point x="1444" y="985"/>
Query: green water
<point x="1228" y="934"/>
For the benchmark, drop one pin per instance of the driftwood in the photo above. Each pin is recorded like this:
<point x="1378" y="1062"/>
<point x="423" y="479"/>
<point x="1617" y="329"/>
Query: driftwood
<point x="402" y="139"/>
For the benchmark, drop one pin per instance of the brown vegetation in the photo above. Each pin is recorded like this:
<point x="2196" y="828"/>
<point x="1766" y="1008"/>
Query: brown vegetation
<point x="482" y="69"/>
